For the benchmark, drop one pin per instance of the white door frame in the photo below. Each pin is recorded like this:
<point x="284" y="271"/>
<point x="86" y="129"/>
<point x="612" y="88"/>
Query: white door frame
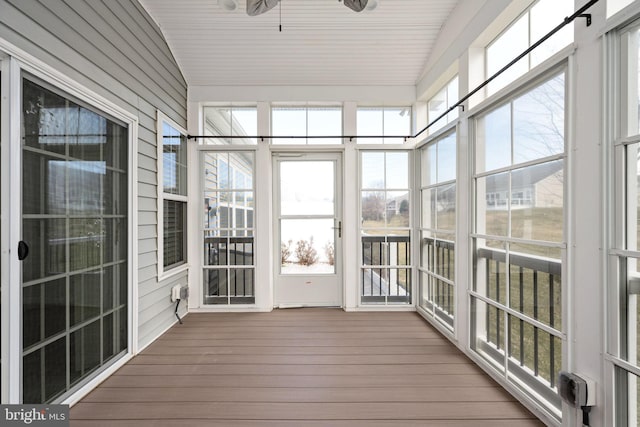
<point x="320" y="289"/>
<point x="13" y="62"/>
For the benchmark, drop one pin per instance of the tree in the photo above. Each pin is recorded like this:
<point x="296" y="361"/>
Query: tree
<point x="373" y="207"/>
<point x="404" y="207"/>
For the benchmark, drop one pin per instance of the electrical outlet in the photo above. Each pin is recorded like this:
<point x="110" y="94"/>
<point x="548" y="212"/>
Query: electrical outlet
<point x="576" y="390"/>
<point x="175" y="293"/>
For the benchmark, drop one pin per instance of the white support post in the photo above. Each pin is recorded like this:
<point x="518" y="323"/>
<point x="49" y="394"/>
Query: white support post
<point x="264" y="209"/>
<point x="195" y="126"/>
<point x="463" y="257"/>
<point x="585" y="293"/>
<point x="351" y="271"/>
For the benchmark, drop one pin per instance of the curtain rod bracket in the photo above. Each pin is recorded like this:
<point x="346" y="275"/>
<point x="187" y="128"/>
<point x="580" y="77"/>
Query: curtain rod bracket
<point x="461" y="106"/>
<point x="584" y="15"/>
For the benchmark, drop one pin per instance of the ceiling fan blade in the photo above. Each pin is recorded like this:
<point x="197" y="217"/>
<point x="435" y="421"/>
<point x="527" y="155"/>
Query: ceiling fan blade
<point x="258" y="7"/>
<point x="356" y="5"/>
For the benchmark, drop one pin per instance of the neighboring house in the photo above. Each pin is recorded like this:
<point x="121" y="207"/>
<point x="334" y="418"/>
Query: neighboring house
<point x="537" y="186"/>
<point x="398" y="205"/>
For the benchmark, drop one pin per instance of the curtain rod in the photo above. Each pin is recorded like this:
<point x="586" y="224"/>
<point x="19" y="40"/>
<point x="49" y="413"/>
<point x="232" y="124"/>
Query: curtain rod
<point x="580" y="13"/>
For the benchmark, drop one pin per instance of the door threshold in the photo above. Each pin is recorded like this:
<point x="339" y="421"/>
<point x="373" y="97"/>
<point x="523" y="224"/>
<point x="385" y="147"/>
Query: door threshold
<point x="287" y="306"/>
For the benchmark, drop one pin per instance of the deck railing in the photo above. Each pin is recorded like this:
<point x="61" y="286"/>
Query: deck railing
<point x="386" y="269"/>
<point x="534" y="290"/>
<point x="439" y="262"/>
<point x="230" y="278"/>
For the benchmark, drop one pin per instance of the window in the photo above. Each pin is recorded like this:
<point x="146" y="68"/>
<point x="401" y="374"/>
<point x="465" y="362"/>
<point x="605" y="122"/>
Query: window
<point x="441" y="102"/>
<point x="519" y="240"/>
<point x="239" y="122"/>
<point x="385" y="207"/>
<point x="383" y="121"/>
<point x="625" y="254"/>
<point x="437" y="228"/>
<point x="75" y="220"/>
<point x="228" y="224"/>
<point x="530" y="27"/>
<point x="312" y="122"/>
<point x="172" y="196"/>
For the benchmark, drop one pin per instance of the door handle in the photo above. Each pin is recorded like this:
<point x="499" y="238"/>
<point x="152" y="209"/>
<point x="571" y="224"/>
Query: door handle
<point x="23" y="250"/>
<point x="339" y="228"/>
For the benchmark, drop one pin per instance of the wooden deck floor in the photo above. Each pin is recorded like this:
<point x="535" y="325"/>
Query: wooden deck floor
<point x="300" y="367"/>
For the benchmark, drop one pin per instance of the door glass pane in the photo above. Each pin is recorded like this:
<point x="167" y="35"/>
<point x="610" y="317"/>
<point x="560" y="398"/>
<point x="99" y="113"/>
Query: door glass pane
<point x="307" y="246"/>
<point x="307" y="188"/>
<point x="75" y="224"/>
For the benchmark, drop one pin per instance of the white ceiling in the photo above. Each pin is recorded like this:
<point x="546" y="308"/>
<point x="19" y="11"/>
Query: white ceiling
<point x="322" y="42"/>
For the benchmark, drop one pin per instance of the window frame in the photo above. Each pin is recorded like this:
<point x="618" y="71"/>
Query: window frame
<point x="410" y="230"/>
<point x="227" y="267"/>
<point x="177" y="268"/>
<point x="487" y="355"/>
<point x="493" y="89"/>
<point x="623" y="280"/>
<point x="452" y="116"/>
<point x="384" y="139"/>
<point x="247" y="141"/>
<point x="432" y="309"/>
<point x="306" y="107"/>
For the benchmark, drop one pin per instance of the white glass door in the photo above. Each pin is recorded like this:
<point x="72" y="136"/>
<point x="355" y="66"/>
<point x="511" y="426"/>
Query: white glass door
<point x="308" y="229"/>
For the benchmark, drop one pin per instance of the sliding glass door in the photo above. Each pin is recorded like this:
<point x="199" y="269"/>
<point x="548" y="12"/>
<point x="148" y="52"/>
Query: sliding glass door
<point x="74" y="242"/>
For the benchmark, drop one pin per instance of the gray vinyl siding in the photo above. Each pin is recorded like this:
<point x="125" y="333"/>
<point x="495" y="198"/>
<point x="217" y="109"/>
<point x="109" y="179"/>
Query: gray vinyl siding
<point x="114" y="48"/>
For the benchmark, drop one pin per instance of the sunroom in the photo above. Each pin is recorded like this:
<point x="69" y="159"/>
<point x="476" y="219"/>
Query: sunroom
<point x="315" y="212"/>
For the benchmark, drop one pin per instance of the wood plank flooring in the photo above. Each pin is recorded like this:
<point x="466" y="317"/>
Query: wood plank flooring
<point x="300" y="367"/>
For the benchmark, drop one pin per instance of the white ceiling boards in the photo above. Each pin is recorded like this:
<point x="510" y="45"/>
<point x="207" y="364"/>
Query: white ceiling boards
<point x="321" y="42"/>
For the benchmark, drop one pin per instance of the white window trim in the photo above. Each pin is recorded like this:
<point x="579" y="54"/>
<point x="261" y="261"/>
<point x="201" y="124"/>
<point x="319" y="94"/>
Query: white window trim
<point x="618" y="73"/>
<point x="162" y="272"/>
<point x="448" y="103"/>
<point x="383" y="108"/>
<point x="560" y="62"/>
<point x="306" y="107"/>
<point x="443" y="133"/>
<point x="411" y="305"/>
